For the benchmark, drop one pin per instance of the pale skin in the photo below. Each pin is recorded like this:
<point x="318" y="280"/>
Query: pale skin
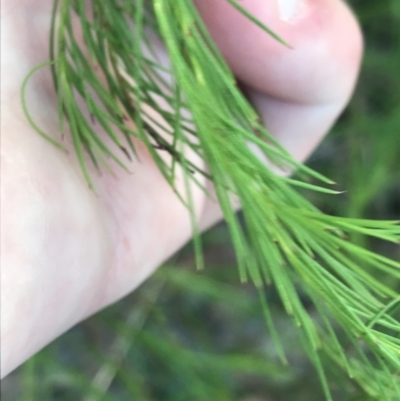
<point x="67" y="252"/>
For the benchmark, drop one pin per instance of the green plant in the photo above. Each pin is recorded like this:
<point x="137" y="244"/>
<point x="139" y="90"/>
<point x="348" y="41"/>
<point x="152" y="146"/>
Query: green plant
<point x="300" y="248"/>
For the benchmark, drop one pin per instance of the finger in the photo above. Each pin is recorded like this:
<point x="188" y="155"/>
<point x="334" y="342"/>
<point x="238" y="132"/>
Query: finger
<point x="298" y="90"/>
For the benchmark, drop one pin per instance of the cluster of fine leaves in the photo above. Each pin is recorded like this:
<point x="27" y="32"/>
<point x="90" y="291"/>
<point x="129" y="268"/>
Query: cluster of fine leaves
<point x="284" y="239"/>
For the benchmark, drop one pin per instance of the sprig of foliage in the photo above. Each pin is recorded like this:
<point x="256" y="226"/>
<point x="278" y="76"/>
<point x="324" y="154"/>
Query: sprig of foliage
<point x="102" y="54"/>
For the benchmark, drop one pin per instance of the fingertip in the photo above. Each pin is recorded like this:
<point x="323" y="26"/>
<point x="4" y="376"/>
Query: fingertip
<point x="298" y="90"/>
<point x="325" y="46"/>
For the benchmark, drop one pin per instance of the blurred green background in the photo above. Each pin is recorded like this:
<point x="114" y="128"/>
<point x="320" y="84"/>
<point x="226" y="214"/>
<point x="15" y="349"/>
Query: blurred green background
<point x="195" y="336"/>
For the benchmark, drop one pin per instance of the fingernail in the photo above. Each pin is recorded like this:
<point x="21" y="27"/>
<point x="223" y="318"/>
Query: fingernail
<point x="289" y="9"/>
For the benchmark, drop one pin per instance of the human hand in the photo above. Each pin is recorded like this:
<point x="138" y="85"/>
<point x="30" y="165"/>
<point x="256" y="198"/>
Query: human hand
<point x="66" y="251"/>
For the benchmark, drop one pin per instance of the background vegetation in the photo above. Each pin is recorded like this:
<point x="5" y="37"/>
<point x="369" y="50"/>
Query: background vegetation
<point x="194" y="336"/>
